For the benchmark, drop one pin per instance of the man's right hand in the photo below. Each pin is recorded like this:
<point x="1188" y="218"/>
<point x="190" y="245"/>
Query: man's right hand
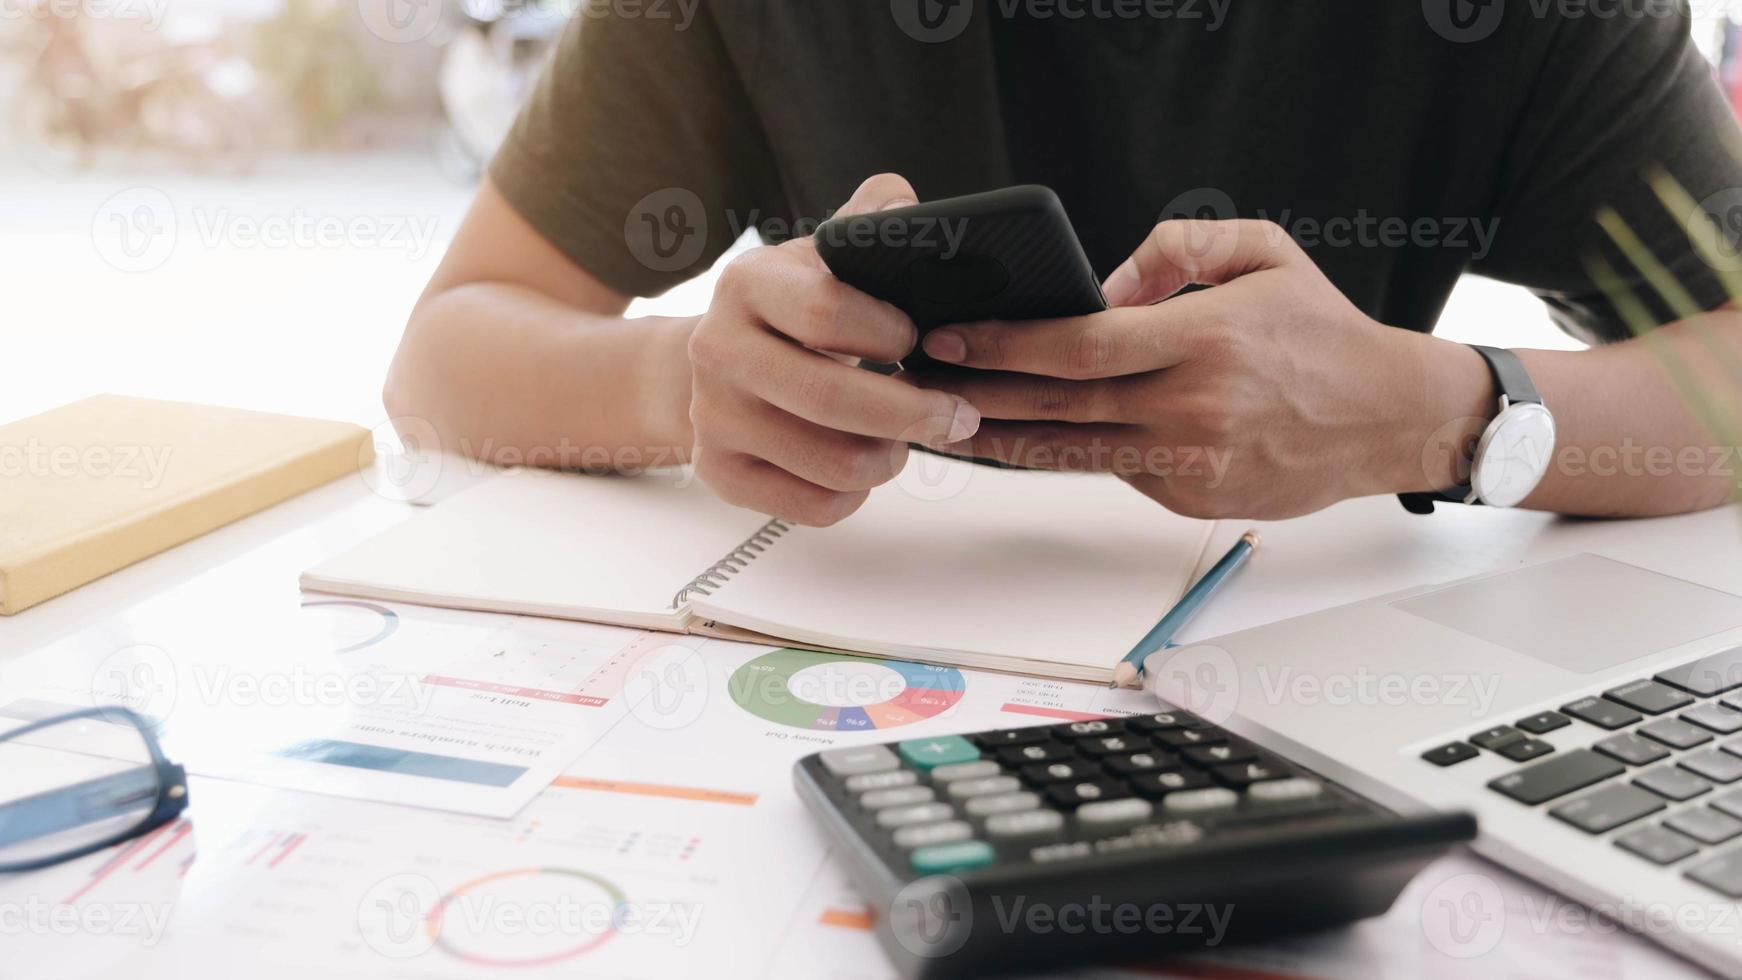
<point x="785" y="421"/>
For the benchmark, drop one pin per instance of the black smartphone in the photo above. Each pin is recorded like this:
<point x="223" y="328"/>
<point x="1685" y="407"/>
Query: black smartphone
<point x="1008" y="254"/>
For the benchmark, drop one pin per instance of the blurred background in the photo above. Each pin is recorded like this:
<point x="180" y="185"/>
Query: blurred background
<point x="238" y="201"/>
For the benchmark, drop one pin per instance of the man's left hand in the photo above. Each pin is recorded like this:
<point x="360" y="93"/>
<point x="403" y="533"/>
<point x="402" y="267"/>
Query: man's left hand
<point x="1267" y="395"/>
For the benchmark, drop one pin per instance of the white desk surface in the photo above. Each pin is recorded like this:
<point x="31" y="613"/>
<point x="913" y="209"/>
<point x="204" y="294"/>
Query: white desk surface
<point x="1348" y="552"/>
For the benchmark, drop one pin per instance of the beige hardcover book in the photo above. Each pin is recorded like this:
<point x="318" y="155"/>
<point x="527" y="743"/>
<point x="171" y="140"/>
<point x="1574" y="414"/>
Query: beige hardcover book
<point x="1037" y="573"/>
<point x="97" y="485"/>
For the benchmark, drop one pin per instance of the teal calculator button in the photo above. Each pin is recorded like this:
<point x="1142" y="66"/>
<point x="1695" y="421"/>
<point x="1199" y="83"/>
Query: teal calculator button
<point x="943" y="858"/>
<point x="943" y="750"/>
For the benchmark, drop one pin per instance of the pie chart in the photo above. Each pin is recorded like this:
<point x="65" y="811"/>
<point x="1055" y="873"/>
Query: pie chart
<point x="835" y="693"/>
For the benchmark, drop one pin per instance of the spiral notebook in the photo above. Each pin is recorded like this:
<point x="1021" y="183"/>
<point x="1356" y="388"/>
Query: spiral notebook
<point x="1049" y="574"/>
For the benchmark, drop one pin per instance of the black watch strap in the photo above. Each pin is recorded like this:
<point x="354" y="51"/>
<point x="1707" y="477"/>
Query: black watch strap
<point x="1512" y="380"/>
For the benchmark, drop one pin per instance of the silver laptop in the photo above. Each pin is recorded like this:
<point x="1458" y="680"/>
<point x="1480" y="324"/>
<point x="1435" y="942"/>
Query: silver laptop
<point x="1589" y="713"/>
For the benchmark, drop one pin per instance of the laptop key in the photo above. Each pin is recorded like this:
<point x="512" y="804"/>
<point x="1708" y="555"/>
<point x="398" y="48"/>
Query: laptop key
<point x="1730" y="802"/>
<point x="1719" y="767"/>
<point x="1631" y="749"/>
<point x="1672" y="783"/>
<point x="1526" y="749"/>
<point x="1675" y="734"/>
<point x="1649" y="696"/>
<point x="1543" y="722"/>
<point x="1722" y="873"/>
<point x="1605" y="809"/>
<point x="1708" y="675"/>
<point x="1659" y="845"/>
<point x="1450" y="754"/>
<point x="1706" y="825"/>
<point x="1495" y="737"/>
<point x="1716" y="717"/>
<point x="1558" y="776"/>
<point x="1602" y="713"/>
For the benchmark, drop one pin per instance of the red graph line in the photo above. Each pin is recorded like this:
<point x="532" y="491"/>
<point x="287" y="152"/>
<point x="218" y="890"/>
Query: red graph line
<point x="290" y="844"/>
<point x="181" y="830"/>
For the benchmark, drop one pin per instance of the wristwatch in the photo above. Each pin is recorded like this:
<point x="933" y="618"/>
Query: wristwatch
<point x="1514" y="452"/>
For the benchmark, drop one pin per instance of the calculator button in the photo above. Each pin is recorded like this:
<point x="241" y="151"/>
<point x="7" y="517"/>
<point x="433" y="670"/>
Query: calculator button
<point x="1631" y="749"/>
<point x="858" y="759"/>
<point x="1543" y="722"/>
<point x="1243" y="774"/>
<point x="867" y="781"/>
<point x="963" y="788"/>
<point x="1111" y="745"/>
<point x="1131" y="765"/>
<point x="940" y="750"/>
<point x="1039" y="752"/>
<point x="1074" y="794"/>
<point x="978" y="769"/>
<point x="878" y="799"/>
<point x="1200" y="800"/>
<point x="1705" y="825"/>
<point x="1602" y="713"/>
<point x="1162" y="722"/>
<point x="1450" y="754"/>
<point x="958" y="856"/>
<point x="1672" y="783"/>
<point x="1605" y="809"/>
<point x="1093" y="727"/>
<point x="1115" y="811"/>
<point x="907" y="816"/>
<point x="986" y="806"/>
<point x="1058" y="772"/>
<point x="1024" y="824"/>
<point x="1185" y="738"/>
<point x="1719" y="767"/>
<point x="1675" y="734"/>
<point x="1656" y="844"/>
<point x="925" y="835"/>
<point x="1716" y="717"/>
<point x="1288" y="790"/>
<point x="1649" y="696"/>
<point x="1525" y="749"/>
<point x="1155" y="784"/>
<point x="1014" y="736"/>
<point x="1216" y="755"/>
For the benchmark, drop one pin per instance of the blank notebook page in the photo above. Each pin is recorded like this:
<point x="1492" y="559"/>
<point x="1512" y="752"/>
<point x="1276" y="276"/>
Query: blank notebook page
<point x="616" y="549"/>
<point x="1055" y="568"/>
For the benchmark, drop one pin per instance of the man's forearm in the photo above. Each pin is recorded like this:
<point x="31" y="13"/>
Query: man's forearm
<point x="505" y="374"/>
<point x="1644" y="428"/>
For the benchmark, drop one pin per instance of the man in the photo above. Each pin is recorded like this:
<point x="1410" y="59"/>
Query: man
<point x="1403" y="144"/>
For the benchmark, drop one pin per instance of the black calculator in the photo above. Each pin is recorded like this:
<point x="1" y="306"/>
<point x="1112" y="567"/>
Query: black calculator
<point x="1103" y="840"/>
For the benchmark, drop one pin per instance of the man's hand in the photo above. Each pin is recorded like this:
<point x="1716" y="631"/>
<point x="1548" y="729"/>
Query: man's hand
<point x="1267" y="395"/>
<point x="785" y="423"/>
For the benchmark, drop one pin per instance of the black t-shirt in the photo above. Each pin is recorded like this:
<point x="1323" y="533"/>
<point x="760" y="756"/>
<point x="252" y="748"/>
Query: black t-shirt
<point x="1401" y="148"/>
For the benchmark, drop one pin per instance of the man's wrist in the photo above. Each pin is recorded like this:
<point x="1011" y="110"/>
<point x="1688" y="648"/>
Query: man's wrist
<point x="1448" y="402"/>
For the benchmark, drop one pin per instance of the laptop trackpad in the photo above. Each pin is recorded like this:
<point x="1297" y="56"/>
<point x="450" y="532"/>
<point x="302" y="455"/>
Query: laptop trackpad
<point x="1584" y="614"/>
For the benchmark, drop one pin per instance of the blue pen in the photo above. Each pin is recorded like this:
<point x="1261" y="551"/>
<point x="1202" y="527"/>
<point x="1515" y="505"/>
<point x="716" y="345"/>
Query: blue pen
<point x="1129" y="669"/>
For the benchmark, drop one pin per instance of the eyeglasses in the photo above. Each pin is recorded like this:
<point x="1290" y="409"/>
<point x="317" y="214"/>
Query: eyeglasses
<point x="76" y="783"/>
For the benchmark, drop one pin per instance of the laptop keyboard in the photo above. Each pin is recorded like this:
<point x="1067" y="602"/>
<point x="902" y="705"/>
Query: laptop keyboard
<point x="1667" y="781"/>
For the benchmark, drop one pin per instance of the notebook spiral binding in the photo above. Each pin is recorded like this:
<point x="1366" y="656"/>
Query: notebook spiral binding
<point x="736" y="560"/>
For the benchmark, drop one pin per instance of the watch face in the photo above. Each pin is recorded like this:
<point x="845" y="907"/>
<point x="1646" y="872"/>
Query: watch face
<point x="1514" y="455"/>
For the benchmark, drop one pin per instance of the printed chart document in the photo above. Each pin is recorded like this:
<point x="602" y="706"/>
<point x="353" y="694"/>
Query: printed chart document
<point x="448" y="710"/>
